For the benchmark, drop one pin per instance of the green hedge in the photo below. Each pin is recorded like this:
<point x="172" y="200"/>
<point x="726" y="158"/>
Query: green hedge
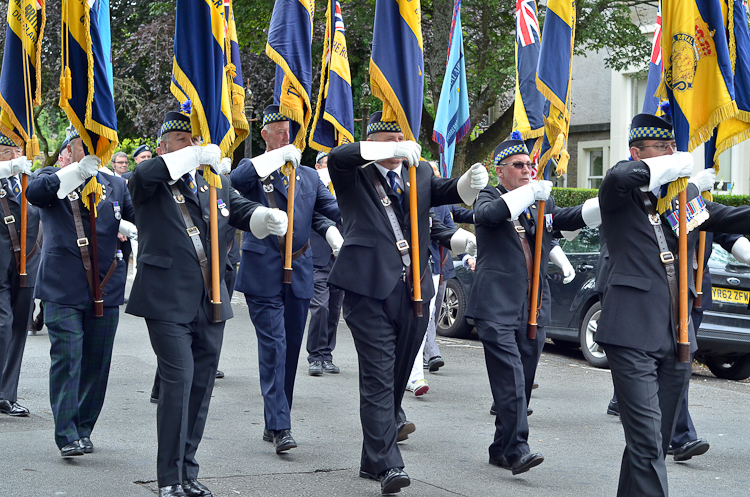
<point x="567" y="197"/>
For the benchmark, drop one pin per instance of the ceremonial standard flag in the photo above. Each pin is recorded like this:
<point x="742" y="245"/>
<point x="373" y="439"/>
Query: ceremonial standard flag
<point x="198" y="70"/>
<point x="397" y="63"/>
<point x="20" y="80"/>
<point x="234" y="74"/>
<point x="651" y="102"/>
<point x="452" y="116"/>
<point x="553" y="79"/>
<point x="86" y="91"/>
<point x="527" y="113"/>
<point x="334" y="115"/>
<point x="289" y="45"/>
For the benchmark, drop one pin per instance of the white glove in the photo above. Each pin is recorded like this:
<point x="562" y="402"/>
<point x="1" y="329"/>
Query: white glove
<point x="464" y="241"/>
<point x="471" y="182"/>
<point x="377" y="151"/>
<point x="225" y="166"/>
<point x="75" y="174"/>
<point x="189" y="158"/>
<point x="265" y="221"/>
<point x="267" y="163"/>
<point x="741" y="250"/>
<point x="14" y="166"/>
<point x="128" y="229"/>
<point x="522" y="197"/>
<point x="667" y="168"/>
<point x="335" y="240"/>
<point x="88" y="166"/>
<point x="559" y="259"/>
<point x="590" y="213"/>
<point x="704" y="179"/>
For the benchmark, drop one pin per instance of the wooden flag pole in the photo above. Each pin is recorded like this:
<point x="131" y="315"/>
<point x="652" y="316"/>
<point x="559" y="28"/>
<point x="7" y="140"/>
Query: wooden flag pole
<point x="534" y="292"/>
<point x="698" y="302"/>
<point x="290" y="228"/>
<point x="416" y="279"/>
<point x="24" y="220"/>
<point x="683" y="343"/>
<point x="98" y="302"/>
<point x="215" y="270"/>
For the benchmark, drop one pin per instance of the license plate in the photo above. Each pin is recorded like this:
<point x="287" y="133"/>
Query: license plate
<point x="730" y="295"/>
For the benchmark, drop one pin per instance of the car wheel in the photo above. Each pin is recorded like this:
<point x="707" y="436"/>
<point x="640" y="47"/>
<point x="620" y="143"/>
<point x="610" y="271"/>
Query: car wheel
<point x="452" y="321"/>
<point x="735" y="368"/>
<point x="592" y="351"/>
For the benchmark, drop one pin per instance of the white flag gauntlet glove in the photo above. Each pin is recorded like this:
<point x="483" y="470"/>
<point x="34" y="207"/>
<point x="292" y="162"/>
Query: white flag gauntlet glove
<point x="704" y="180"/>
<point x="667" y="168"/>
<point x="335" y="240"/>
<point x="19" y="165"/>
<point x="189" y="158"/>
<point x="265" y="221"/>
<point x="224" y="167"/>
<point x="522" y="197"/>
<point x="464" y="241"/>
<point x="72" y="176"/>
<point x="559" y="259"/>
<point x="267" y="163"/>
<point x="590" y="213"/>
<point x="741" y="250"/>
<point x="472" y="182"/>
<point x="128" y="229"/>
<point x="377" y="151"/>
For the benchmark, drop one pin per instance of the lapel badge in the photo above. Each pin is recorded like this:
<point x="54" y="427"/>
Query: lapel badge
<point x="71" y="196"/>
<point x="268" y="188"/>
<point x="222" y="208"/>
<point x="3" y="193"/>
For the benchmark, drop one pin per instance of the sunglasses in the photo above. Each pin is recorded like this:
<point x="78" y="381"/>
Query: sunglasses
<point x="518" y="165"/>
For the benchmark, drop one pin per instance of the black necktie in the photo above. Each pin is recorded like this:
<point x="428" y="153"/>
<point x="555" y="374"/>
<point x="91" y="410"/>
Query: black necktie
<point x="188" y="179"/>
<point x="396" y="188"/>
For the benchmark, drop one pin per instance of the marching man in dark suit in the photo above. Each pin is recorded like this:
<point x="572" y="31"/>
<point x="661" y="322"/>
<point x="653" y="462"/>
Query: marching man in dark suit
<point x="505" y="218"/>
<point x="170" y="291"/>
<point x="16" y="300"/>
<point x="278" y="311"/>
<point x="374" y="269"/>
<point x="636" y="327"/>
<point x="81" y="343"/>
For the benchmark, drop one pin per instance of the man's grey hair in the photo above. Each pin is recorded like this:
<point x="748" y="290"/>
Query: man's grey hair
<point x="119" y="154"/>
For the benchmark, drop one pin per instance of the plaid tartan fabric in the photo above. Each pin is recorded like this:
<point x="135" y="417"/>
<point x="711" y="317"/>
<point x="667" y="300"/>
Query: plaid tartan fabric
<point x="81" y="353"/>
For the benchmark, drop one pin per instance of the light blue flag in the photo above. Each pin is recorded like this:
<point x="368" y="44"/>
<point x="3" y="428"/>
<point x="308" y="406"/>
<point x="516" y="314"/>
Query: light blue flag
<point x="452" y="120"/>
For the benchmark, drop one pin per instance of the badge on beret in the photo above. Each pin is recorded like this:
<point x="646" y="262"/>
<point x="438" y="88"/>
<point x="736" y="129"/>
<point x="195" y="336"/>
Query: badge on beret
<point x="222" y="207"/>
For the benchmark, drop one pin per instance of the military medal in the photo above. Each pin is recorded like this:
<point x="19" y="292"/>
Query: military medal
<point x="696" y="215"/>
<point x="548" y="222"/>
<point x="116" y="206"/>
<point x="222" y="207"/>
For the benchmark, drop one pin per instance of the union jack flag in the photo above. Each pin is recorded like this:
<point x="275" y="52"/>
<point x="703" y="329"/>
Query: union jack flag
<point x="339" y="25"/>
<point x="656" y="48"/>
<point x="526" y="23"/>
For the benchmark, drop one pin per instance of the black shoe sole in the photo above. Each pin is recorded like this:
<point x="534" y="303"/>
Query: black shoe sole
<point x="368" y="476"/>
<point x="530" y="464"/>
<point x="394" y="486"/>
<point x="154" y="400"/>
<point x="285" y="447"/>
<point x="434" y="366"/>
<point x="315" y="373"/>
<point x="405" y="431"/>
<point x="697" y="450"/>
<point x="612" y="412"/>
<point x="17" y="414"/>
<point x="328" y="371"/>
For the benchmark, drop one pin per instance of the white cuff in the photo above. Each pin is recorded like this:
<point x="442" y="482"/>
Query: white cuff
<point x="465" y="191"/>
<point x="180" y="162"/>
<point x="6" y="169"/>
<point x="570" y="235"/>
<point x="375" y="151"/>
<point x="590" y="213"/>
<point x="741" y="250"/>
<point x="70" y="179"/>
<point x="267" y="163"/>
<point x="518" y="200"/>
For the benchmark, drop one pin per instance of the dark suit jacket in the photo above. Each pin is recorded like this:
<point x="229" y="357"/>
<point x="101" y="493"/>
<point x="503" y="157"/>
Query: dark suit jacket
<point x="442" y="215"/>
<point x="369" y="262"/>
<point x="461" y="214"/>
<point x="261" y="269"/>
<point x="169" y="285"/>
<point x="7" y="259"/>
<point x="61" y="277"/>
<point x="636" y="304"/>
<point x="501" y="281"/>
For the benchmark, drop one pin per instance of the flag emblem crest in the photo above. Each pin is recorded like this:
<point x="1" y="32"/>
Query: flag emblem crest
<point x="527" y="25"/>
<point x="679" y="75"/>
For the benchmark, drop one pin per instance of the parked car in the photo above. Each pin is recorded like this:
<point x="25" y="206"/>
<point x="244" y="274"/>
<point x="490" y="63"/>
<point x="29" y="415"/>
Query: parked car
<point x="723" y="339"/>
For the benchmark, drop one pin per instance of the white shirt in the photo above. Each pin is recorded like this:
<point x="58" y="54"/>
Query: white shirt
<point x="384" y="171"/>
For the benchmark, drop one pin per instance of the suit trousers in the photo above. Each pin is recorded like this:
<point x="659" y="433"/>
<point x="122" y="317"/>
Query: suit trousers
<point x="387" y="337"/>
<point x="325" y="308"/>
<point x="684" y="429"/>
<point x="511" y="360"/>
<point x="16" y="306"/>
<point x="279" y="325"/>
<point x="80" y="353"/>
<point x="187" y="356"/>
<point x="431" y="348"/>
<point x="650" y="388"/>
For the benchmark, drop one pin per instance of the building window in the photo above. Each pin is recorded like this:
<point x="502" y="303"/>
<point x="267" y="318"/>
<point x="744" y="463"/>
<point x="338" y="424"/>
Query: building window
<point x="595" y="168"/>
<point x="724" y="181"/>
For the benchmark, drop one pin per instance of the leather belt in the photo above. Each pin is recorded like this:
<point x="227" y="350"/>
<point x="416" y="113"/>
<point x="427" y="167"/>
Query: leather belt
<point x="401" y="244"/>
<point x="268" y="188"/>
<point x="83" y="246"/>
<point x="195" y="237"/>
<point x="667" y="259"/>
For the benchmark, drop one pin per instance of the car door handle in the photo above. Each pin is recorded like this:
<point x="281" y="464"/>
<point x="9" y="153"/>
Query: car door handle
<point x="584" y="267"/>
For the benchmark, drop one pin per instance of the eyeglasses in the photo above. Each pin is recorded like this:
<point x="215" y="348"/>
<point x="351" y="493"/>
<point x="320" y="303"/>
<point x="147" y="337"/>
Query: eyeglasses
<point x="662" y="147"/>
<point x="121" y="163"/>
<point x="6" y="153"/>
<point x="518" y="165"/>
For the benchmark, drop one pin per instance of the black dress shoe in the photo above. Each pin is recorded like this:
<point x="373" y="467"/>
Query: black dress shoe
<point x="72" y="449"/>
<point x="529" y="412"/>
<point x="154" y="400"/>
<point x="500" y="461"/>
<point x="193" y="488"/>
<point x="283" y="440"/>
<point x="172" y="491"/>
<point x="404" y="430"/>
<point x="367" y="475"/>
<point x="692" y="448"/>
<point x="219" y="374"/>
<point x="393" y="481"/>
<point x="493" y="410"/>
<point x="330" y="368"/>
<point x="435" y="363"/>
<point x="613" y="409"/>
<point x="13" y="409"/>
<point x="86" y="445"/>
<point x="267" y="435"/>
<point x="316" y="368"/>
<point x="534" y="386"/>
<point x="526" y="462"/>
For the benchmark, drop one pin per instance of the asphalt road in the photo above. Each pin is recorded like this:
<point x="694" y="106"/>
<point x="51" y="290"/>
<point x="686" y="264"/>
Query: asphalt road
<point x="446" y="456"/>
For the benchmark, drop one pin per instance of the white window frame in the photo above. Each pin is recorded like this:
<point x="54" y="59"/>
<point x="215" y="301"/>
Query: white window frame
<point x="584" y="156"/>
